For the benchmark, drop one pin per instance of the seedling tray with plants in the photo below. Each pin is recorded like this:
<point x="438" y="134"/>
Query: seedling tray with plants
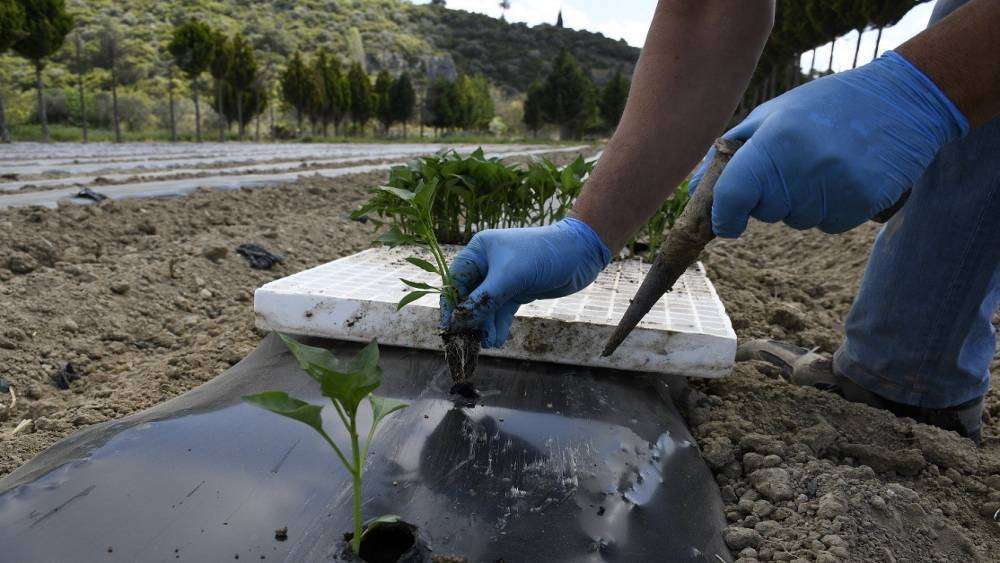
<point x="355" y="298"/>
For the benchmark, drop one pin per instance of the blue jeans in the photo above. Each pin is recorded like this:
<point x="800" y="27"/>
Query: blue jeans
<point x="920" y="330"/>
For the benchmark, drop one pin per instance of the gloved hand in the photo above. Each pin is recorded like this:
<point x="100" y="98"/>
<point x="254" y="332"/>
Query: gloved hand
<point x="502" y="269"/>
<point x="836" y="151"/>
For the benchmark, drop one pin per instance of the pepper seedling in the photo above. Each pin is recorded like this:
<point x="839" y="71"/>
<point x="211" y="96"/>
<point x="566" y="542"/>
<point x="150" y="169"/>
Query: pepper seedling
<point x="346" y="385"/>
<point x="461" y="348"/>
<point x="416" y="205"/>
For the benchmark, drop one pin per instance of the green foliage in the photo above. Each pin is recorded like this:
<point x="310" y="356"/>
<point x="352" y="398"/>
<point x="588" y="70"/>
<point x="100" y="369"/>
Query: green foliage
<point x="241" y="80"/>
<point x="464" y="104"/>
<point x="382" y="101"/>
<point x="332" y="92"/>
<point x="461" y="195"/>
<point x="802" y="26"/>
<point x="663" y="220"/>
<point x="418" y="207"/>
<point x="192" y="47"/>
<point x="242" y="106"/>
<point x="402" y="99"/>
<point x="362" y="102"/>
<point x="296" y="85"/>
<point x="567" y="97"/>
<point x="356" y="47"/>
<point x="46" y="24"/>
<point x="243" y="65"/>
<point x="612" y="102"/>
<point x="12" y="23"/>
<point x="532" y="116"/>
<point x="475" y="192"/>
<point x="347" y="385"/>
<point x="222" y="56"/>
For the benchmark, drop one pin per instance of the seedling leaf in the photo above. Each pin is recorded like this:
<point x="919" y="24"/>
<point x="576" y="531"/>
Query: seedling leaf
<point x="422" y="264"/>
<point x="406" y="195"/>
<point x="395" y="237"/>
<point x="281" y="403"/>
<point x="383" y="407"/>
<point x="411" y="297"/>
<point x="362" y="376"/>
<point x="315" y="361"/>
<point x="418" y="285"/>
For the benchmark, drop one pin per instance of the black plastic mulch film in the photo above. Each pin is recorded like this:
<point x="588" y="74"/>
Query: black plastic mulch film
<point x="555" y="463"/>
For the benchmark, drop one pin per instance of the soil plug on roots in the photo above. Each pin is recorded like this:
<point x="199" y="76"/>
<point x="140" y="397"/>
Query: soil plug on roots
<point x="461" y="350"/>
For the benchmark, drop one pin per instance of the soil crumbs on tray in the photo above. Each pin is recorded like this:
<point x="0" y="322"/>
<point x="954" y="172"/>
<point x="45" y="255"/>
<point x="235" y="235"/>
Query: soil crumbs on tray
<point x="147" y="299"/>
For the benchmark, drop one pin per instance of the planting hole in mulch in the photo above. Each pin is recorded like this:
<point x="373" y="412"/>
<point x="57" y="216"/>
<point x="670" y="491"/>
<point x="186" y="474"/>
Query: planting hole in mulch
<point x="387" y="542"/>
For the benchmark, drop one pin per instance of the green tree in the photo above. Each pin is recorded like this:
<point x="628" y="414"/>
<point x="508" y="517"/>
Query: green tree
<point x="402" y="99"/>
<point x="242" y="75"/>
<point x="45" y="27"/>
<point x="613" y="97"/>
<point x="295" y="87"/>
<point x="361" y="96"/>
<point x="356" y="48"/>
<point x="533" y="117"/>
<point x="332" y="86"/>
<point x="193" y="49"/>
<point x="108" y="56"/>
<point x="568" y="96"/>
<point x="79" y="66"/>
<point x="380" y="95"/>
<point x="442" y="104"/>
<point x="12" y="23"/>
<point x="222" y="60"/>
<point x="242" y="111"/>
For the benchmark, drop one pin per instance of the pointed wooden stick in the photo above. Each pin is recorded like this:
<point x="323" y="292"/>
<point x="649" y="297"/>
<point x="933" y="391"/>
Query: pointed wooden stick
<point x="681" y="247"/>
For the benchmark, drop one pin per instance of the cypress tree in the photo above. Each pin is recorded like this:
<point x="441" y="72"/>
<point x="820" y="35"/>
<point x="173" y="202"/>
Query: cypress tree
<point x="402" y="99"/>
<point x="334" y="95"/>
<point x="361" y="96"/>
<point x="193" y="49"/>
<point x="12" y="24"/>
<point x="46" y="25"/>
<point x="242" y="75"/>
<point x="108" y="57"/>
<point x="383" y="107"/>
<point x="222" y="59"/>
<point x="613" y="97"/>
<point x="295" y="86"/>
<point x="568" y="96"/>
<point x="79" y="66"/>
<point x="533" y="117"/>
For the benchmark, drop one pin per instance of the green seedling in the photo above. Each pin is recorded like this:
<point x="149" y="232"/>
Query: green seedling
<point x="475" y="192"/>
<point x="347" y="385"/>
<point x="416" y="205"/>
<point x="461" y="348"/>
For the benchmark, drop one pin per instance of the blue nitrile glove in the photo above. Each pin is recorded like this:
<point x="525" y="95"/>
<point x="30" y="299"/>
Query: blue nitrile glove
<point x="836" y="151"/>
<point x="502" y="269"/>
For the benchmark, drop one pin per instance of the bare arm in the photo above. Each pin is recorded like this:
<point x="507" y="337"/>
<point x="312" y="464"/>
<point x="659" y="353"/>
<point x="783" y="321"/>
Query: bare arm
<point x="696" y="63"/>
<point x="959" y="54"/>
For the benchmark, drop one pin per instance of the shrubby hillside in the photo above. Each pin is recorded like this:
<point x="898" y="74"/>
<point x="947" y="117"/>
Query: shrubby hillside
<point x="392" y="34"/>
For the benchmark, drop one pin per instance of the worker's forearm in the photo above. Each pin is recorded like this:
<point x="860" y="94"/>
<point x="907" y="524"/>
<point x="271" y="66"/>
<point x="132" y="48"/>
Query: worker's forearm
<point x="697" y="60"/>
<point x="959" y="54"/>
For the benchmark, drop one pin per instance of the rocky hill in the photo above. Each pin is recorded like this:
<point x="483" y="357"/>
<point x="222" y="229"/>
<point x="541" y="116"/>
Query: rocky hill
<point x="393" y="34"/>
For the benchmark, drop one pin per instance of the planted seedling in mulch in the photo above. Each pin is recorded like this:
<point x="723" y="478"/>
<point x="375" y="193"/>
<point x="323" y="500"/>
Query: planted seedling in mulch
<point x="347" y="385"/>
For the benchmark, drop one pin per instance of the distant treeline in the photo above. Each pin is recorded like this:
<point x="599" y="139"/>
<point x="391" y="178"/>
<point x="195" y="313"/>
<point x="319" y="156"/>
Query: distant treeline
<point x="802" y="25"/>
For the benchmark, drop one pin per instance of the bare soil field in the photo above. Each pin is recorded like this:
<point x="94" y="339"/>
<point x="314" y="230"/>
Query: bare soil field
<point x="146" y="299"/>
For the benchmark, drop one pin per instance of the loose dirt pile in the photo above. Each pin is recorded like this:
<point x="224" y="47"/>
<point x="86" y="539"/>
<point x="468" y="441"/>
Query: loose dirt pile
<point x="147" y="299"/>
<point x="806" y="475"/>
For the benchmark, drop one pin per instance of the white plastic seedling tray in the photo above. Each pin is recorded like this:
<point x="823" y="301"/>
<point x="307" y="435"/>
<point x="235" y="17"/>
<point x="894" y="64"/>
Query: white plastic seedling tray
<point x="354" y="298"/>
